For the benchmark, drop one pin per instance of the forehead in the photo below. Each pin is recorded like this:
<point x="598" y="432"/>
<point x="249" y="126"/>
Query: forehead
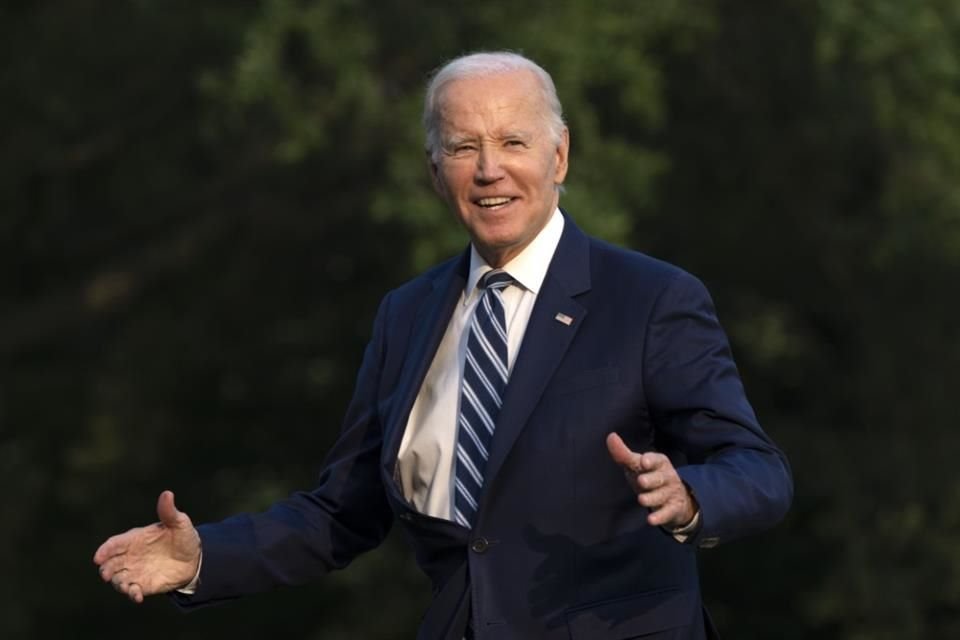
<point x="511" y="99"/>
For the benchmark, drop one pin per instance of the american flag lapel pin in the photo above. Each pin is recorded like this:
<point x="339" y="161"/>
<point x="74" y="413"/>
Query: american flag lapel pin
<point x="563" y="318"/>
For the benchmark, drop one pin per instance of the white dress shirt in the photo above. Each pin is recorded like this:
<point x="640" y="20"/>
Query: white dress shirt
<point x="425" y="464"/>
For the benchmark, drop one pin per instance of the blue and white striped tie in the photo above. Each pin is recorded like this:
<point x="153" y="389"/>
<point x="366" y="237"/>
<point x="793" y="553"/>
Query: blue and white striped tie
<point x="485" y="375"/>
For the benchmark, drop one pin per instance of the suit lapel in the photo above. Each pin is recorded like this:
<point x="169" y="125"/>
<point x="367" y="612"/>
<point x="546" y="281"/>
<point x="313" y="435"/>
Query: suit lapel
<point x="544" y="343"/>
<point x="429" y="325"/>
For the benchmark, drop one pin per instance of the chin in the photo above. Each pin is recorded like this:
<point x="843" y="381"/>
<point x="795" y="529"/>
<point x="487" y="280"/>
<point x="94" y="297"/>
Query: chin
<point x="498" y="241"/>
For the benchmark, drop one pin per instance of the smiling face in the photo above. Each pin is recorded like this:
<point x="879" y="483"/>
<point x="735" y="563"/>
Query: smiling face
<point x="499" y="167"/>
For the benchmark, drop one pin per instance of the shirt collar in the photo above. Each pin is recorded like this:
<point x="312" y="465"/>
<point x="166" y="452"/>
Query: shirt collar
<point x="529" y="267"/>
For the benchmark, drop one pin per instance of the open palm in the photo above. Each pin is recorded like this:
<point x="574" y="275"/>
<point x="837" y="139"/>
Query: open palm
<point x="153" y="559"/>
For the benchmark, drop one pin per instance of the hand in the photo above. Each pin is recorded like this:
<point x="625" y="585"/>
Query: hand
<point x="656" y="483"/>
<point x="157" y="558"/>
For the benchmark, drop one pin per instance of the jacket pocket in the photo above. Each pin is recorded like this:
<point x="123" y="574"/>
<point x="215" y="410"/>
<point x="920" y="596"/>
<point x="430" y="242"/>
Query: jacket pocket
<point x="632" y="616"/>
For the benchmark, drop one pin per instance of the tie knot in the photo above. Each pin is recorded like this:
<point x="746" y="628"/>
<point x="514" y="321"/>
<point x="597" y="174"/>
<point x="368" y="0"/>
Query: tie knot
<point x="496" y="279"/>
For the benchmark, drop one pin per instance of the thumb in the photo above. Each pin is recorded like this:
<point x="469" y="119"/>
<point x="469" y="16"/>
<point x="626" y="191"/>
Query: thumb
<point x="167" y="511"/>
<point x="622" y="454"/>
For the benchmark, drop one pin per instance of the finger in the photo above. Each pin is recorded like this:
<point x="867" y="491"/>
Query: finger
<point x="622" y="454"/>
<point x="676" y="510"/>
<point x="651" y="480"/>
<point x="114" y="545"/>
<point x="655" y="499"/>
<point x="135" y="593"/>
<point x="167" y="510"/>
<point x="112" y="567"/>
<point x="666" y="514"/>
<point x="119" y="582"/>
<point x="652" y="461"/>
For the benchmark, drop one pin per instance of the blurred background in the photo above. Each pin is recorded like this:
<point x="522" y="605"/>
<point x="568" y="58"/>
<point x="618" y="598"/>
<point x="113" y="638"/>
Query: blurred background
<point x="201" y="204"/>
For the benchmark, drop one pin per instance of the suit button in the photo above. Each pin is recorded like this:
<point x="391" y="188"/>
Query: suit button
<point x="479" y="545"/>
<point x="405" y="516"/>
<point x="709" y="543"/>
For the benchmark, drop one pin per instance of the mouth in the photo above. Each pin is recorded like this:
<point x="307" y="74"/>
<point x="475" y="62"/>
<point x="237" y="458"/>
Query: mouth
<point x="493" y="203"/>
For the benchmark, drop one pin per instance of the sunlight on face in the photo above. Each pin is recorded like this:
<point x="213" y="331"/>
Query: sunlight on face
<point x="499" y="167"/>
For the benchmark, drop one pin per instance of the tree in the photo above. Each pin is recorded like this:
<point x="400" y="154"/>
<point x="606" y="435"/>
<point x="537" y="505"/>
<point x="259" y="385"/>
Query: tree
<point x="201" y="206"/>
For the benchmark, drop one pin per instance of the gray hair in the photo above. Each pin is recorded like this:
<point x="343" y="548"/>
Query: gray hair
<point x="485" y="64"/>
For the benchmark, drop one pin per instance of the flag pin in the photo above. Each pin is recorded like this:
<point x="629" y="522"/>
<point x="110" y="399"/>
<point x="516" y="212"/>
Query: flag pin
<point x="564" y="318"/>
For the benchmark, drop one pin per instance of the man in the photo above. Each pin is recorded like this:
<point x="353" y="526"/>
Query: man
<point x="556" y="423"/>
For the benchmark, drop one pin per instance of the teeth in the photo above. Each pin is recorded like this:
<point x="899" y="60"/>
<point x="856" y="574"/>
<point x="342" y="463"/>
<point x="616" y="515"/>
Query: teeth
<point x="492" y="202"/>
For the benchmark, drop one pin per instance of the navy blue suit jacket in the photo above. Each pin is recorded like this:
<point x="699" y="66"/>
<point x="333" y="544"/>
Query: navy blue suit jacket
<point x="560" y="547"/>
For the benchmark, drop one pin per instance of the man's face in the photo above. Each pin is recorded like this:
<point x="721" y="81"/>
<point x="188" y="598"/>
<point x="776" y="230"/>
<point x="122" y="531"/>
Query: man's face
<point x="498" y="167"/>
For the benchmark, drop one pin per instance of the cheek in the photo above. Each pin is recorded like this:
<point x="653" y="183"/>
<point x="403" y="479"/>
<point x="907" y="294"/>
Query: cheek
<point x="542" y="175"/>
<point x="456" y="176"/>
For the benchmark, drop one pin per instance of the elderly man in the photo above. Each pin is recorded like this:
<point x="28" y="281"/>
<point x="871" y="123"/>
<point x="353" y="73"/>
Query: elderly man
<point x="557" y="423"/>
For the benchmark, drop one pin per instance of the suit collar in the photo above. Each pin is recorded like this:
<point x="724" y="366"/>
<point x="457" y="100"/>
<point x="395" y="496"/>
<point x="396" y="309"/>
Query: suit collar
<point x="570" y="266"/>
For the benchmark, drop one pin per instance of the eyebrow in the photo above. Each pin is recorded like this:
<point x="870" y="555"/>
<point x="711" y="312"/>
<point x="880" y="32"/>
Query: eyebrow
<point x="523" y="135"/>
<point x="455" y="139"/>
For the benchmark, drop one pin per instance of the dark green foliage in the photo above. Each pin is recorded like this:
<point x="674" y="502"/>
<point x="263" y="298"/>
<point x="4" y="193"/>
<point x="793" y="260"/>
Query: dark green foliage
<point x="202" y="203"/>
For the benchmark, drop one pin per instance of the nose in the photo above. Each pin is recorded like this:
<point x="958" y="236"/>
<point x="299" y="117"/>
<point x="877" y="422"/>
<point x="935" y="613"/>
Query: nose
<point x="489" y="166"/>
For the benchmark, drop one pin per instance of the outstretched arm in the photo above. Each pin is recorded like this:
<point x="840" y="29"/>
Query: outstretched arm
<point x="154" y="559"/>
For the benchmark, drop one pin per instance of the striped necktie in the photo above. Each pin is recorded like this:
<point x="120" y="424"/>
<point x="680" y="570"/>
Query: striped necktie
<point x="481" y="394"/>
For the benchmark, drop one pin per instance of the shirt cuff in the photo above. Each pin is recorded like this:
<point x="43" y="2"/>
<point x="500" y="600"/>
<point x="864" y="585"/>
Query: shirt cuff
<point x="191" y="587"/>
<point x="684" y="533"/>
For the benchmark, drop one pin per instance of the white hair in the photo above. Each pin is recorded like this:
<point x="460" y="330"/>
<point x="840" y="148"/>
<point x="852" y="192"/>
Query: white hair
<point x="485" y="64"/>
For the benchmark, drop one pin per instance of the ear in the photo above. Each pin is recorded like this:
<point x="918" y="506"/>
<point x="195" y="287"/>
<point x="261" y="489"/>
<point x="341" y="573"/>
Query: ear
<point x="433" y="168"/>
<point x="562" y="157"/>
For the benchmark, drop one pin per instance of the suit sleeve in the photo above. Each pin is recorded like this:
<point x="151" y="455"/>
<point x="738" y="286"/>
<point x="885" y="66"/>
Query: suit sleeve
<point x="309" y="533"/>
<point x="739" y="477"/>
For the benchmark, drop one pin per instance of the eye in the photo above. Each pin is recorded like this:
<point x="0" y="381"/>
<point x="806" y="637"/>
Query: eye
<point x="462" y="148"/>
<point x="515" y="143"/>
